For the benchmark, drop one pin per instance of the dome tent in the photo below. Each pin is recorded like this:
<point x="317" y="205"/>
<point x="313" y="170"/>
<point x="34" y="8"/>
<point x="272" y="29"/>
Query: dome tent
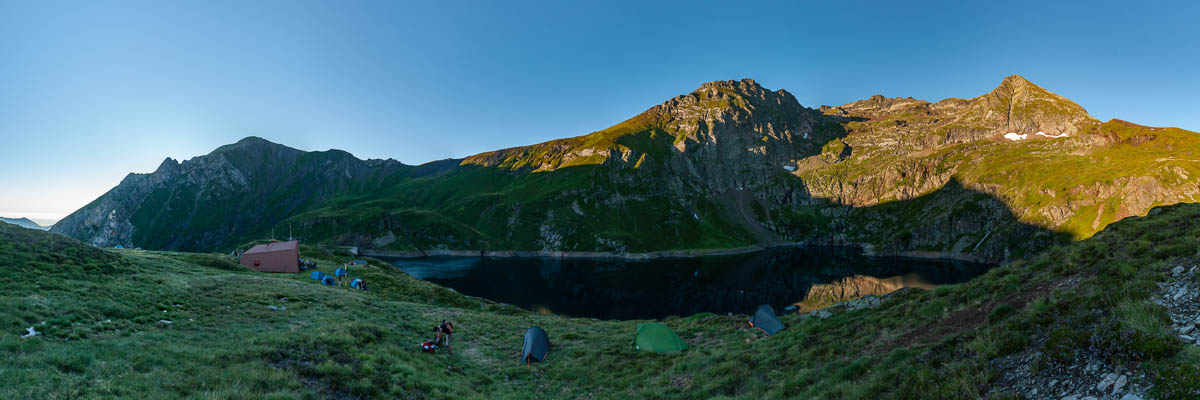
<point x="764" y="318"/>
<point x="658" y="338"/>
<point x="537" y="345"/>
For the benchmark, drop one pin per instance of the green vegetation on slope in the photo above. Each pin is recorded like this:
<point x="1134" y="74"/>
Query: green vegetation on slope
<point x="485" y="208"/>
<point x="105" y="335"/>
<point x="730" y="164"/>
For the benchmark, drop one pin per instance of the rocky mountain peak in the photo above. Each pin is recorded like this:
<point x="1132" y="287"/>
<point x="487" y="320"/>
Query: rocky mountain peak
<point x="746" y="84"/>
<point x="254" y="144"/>
<point x="167" y="165"/>
<point x="1017" y="80"/>
<point x="1018" y="88"/>
<point x="1028" y="108"/>
<point x="747" y="90"/>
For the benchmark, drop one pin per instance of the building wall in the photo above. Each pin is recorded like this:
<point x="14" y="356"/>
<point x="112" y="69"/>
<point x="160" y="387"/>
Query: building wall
<point x="283" y="260"/>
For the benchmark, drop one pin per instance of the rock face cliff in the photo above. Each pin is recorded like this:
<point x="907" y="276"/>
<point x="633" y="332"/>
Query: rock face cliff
<point x="730" y="164"/>
<point x="216" y="200"/>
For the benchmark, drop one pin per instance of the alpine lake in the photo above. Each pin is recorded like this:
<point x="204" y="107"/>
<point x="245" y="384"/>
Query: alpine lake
<point x="789" y="279"/>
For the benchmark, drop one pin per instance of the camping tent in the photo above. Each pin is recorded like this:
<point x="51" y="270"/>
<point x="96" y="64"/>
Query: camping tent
<point x="318" y="275"/>
<point x="658" y="338"/>
<point x="328" y="280"/>
<point x="339" y="272"/>
<point x="537" y="345"/>
<point x="764" y="318"/>
<point x="358" y="262"/>
<point x="354" y="283"/>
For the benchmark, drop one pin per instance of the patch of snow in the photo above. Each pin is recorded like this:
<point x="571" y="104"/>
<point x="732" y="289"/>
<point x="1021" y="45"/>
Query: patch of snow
<point x="790" y="168"/>
<point x="1015" y="137"/>
<point x="1052" y="136"/>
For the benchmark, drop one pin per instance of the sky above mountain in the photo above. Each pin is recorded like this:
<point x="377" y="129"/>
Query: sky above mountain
<point x="98" y="89"/>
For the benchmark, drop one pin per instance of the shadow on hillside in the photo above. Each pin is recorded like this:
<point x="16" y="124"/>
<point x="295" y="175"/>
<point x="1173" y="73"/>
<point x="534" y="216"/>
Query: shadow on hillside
<point x="482" y="208"/>
<point x="953" y="220"/>
<point x="659" y="199"/>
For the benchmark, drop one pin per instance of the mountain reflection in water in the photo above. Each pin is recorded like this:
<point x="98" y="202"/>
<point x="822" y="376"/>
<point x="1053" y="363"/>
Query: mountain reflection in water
<point x="618" y="289"/>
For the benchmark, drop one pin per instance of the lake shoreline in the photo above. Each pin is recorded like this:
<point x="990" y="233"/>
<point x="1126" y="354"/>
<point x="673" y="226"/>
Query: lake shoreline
<point x="868" y="250"/>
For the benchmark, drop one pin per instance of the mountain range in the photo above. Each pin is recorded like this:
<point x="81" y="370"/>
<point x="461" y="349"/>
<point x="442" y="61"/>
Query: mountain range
<point x="24" y="223"/>
<point x="731" y="164"/>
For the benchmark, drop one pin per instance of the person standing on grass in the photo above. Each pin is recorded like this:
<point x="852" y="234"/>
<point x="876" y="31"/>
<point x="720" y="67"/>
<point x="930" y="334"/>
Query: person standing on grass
<point x="447" y="335"/>
<point x="341" y="273"/>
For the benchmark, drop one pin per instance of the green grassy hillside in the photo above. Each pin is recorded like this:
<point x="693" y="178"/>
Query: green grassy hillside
<point x="174" y="325"/>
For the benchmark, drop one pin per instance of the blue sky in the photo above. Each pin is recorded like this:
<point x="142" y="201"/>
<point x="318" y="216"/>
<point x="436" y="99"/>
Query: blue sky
<point x="90" y="91"/>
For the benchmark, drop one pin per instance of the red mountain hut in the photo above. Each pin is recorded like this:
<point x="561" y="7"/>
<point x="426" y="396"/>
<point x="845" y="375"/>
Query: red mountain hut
<point x="273" y="257"/>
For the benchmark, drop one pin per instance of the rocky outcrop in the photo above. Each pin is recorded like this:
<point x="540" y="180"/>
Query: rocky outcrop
<point x="731" y="164"/>
<point x="1180" y="295"/>
<point x="853" y="288"/>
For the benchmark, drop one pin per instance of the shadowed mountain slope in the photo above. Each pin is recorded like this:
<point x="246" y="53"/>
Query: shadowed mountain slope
<point x="731" y="164"/>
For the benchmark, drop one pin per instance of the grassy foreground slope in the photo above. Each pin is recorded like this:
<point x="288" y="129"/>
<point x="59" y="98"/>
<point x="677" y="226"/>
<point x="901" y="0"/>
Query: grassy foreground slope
<point x="102" y="317"/>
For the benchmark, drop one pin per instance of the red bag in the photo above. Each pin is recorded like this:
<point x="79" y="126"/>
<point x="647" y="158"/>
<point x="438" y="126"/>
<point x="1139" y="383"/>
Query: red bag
<point x="428" y="346"/>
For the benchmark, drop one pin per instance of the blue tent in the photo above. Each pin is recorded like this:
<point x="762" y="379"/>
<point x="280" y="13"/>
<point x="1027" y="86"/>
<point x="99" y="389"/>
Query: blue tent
<point x="764" y="318"/>
<point x="536" y="347"/>
<point x="359" y="262"/>
<point x="318" y="275"/>
<point x="340" y="272"/>
<point x="328" y="281"/>
<point x="354" y="283"/>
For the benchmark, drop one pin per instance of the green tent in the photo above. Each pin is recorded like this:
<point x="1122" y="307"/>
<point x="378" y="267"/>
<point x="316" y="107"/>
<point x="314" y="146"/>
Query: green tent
<point x="658" y="338"/>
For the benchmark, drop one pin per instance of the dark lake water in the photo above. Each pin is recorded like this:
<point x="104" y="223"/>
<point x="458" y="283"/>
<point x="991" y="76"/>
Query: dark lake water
<point x="618" y="289"/>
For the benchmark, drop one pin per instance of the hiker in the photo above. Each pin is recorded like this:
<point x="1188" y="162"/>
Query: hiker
<point x="362" y="284"/>
<point x="341" y="273"/>
<point x="430" y="345"/>
<point x="446" y="335"/>
<point x="437" y="339"/>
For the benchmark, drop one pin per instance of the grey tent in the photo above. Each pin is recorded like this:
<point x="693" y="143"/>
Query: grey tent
<point x="537" y="345"/>
<point x="764" y="318"/>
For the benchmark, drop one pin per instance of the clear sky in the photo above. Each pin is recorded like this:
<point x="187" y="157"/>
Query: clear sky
<point x="93" y="90"/>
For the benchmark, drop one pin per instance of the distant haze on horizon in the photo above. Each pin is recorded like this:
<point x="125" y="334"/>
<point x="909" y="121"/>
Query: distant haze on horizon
<point x="101" y="89"/>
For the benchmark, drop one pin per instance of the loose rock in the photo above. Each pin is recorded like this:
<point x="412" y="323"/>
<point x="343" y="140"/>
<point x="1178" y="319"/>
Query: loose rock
<point x="1107" y="382"/>
<point x="1119" y="384"/>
